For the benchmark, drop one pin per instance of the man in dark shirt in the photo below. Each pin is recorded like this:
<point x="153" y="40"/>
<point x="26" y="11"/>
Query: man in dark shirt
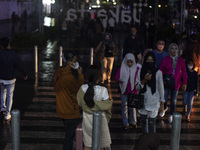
<point x="9" y="62"/>
<point x="134" y="44"/>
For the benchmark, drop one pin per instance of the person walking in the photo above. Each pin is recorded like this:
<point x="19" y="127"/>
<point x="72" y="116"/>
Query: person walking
<point x="9" y="63"/>
<point x="67" y="81"/>
<point x="153" y="93"/>
<point x="174" y="66"/>
<point x="191" y="90"/>
<point x="106" y="50"/>
<point x="159" y="52"/>
<point x="128" y="77"/>
<point x="93" y="97"/>
<point x="134" y="44"/>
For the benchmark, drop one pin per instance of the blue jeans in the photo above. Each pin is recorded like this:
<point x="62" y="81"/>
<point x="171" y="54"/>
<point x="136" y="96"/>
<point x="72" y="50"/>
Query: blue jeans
<point x="148" y="124"/>
<point x="174" y="94"/>
<point x="188" y="97"/>
<point x="7" y="93"/>
<point x="132" y="111"/>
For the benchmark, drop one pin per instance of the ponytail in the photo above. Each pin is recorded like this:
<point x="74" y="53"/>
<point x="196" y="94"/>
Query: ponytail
<point x="92" y="76"/>
<point x="88" y="97"/>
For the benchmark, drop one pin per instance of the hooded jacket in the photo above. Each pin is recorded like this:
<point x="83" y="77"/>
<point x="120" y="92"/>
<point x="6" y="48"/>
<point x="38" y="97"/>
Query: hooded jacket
<point x="100" y="50"/>
<point x="66" y="87"/>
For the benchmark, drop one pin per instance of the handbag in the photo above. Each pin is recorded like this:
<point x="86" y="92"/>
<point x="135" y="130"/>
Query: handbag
<point x="168" y="81"/>
<point x="136" y="100"/>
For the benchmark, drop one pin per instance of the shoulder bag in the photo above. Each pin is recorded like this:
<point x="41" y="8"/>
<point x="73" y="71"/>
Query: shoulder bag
<point x="135" y="100"/>
<point x="168" y="81"/>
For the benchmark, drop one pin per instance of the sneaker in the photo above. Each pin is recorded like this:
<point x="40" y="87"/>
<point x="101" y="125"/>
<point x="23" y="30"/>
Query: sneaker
<point x="170" y="119"/>
<point x="184" y="109"/>
<point x="3" y="109"/>
<point x="188" y="118"/>
<point x="134" y="125"/>
<point x="7" y="117"/>
<point x="162" y="114"/>
<point x="126" y="127"/>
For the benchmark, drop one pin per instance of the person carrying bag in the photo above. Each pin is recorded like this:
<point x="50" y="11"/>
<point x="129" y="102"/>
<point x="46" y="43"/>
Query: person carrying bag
<point x="153" y="89"/>
<point x="127" y="78"/>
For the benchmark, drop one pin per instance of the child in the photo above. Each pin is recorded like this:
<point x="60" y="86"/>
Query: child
<point x="191" y="91"/>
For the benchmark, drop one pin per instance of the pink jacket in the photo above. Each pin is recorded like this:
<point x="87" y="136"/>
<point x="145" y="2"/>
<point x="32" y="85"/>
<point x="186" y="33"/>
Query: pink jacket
<point x="180" y="72"/>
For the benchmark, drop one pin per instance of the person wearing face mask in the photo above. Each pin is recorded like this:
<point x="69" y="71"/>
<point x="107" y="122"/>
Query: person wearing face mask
<point x="159" y="52"/>
<point x="67" y="81"/>
<point x="153" y="90"/>
<point x="106" y="51"/>
<point x="173" y="65"/>
<point x="134" y="44"/>
<point x="128" y="77"/>
<point x="191" y="90"/>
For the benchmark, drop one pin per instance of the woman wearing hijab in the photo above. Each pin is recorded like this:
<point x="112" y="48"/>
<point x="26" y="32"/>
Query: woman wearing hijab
<point x="153" y="93"/>
<point x="106" y="50"/>
<point x="175" y="66"/>
<point x="128" y="77"/>
<point x="67" y="80"/>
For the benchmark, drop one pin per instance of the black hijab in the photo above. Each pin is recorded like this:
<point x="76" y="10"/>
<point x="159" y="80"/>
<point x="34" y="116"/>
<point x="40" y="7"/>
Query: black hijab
<point x="107" y="42"/>
<point x="149" y="68"/>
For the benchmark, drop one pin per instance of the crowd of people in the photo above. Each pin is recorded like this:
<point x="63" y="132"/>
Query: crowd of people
<point x="156" y="73"/>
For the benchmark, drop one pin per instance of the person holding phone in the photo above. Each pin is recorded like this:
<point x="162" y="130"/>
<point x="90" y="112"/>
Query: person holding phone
<point x="153" y="90"/>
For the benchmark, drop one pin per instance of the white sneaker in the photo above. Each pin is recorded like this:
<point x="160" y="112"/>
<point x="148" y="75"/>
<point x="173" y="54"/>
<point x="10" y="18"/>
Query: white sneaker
<point x="3" y="109"/>
<point x="162" y="114"/>
<point x="170" y="119"/>
<point x="7" y="117"/>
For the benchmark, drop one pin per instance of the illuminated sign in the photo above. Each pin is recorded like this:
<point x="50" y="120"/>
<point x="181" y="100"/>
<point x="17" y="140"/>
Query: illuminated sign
<point x="125" y="16"/>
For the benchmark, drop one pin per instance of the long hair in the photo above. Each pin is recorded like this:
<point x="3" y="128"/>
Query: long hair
<point x="92" y="76"/>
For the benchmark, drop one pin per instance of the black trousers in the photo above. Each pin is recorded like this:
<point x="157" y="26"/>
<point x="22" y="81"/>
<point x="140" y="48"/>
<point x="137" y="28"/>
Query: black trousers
<point x="70" y="128"/>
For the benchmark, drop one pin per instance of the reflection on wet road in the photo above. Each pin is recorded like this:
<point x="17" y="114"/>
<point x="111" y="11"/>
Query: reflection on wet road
<point x="48" y="63"/>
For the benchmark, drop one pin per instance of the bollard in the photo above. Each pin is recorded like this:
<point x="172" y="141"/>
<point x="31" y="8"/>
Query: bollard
<point x="36" y="59"/>
<point x="91" y="55"/>
<point x="15" y="122"/>
<point x="96" y="130"/>
<point x="176" y="129"/>
<point x="60" y="55"/>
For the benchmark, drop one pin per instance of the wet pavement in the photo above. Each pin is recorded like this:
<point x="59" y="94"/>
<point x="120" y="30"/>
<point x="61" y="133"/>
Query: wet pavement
<point x="41" y="129"/>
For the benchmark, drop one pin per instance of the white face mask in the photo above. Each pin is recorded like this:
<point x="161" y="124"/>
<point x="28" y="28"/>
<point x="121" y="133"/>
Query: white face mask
<point x="190" y="66"/>
<point x="74" y="65"/>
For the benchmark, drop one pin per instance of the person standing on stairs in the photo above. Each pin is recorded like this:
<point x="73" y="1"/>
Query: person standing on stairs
<point x="67" y="81"/>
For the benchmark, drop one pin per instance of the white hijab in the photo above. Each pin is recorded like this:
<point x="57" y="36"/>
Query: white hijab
<point x="127" y="72"/>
